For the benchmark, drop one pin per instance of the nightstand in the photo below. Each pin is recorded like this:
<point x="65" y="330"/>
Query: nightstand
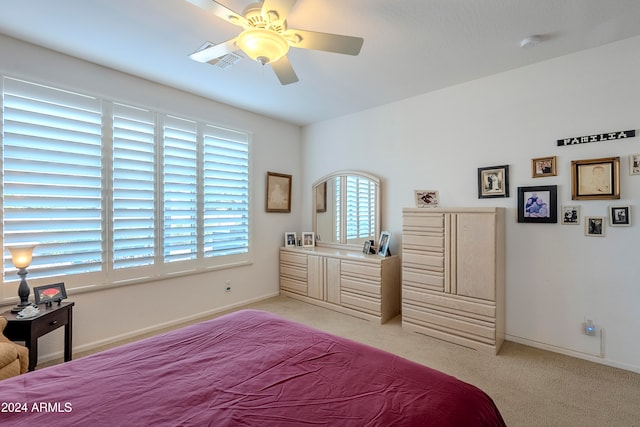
<point x="29" y="330"/>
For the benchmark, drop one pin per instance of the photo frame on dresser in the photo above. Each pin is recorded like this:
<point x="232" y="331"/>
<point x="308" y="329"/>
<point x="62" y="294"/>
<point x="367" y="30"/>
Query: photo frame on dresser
<point x="290" y="239"/>
<point x="383" y="244"/>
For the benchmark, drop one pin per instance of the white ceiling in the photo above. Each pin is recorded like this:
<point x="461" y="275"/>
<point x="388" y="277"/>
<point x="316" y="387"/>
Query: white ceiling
<point x="410" y="46"/>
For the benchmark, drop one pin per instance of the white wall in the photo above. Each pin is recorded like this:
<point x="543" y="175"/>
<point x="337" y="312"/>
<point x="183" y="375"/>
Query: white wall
<point x="555" y="275"/>
<point x="109" y="314"/>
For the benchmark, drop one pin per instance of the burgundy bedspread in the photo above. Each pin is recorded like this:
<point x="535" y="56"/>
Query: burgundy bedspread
<point x="245" y="368"/>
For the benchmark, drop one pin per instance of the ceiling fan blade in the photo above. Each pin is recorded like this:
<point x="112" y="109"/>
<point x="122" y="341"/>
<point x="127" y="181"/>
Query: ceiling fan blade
<point x="210" y="51"/>
<point x="284" y="71"/>
<point x="283" y="7"/>
<point x="220" y="11"/>
<point x="324" y="41"/>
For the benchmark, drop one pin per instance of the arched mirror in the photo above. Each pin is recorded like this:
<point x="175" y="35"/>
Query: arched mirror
<point x="346" y="208"/>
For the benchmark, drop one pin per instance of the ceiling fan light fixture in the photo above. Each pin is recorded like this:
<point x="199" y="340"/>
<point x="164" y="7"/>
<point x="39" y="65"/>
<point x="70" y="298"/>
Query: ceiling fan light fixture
<point x="263" y="45"/>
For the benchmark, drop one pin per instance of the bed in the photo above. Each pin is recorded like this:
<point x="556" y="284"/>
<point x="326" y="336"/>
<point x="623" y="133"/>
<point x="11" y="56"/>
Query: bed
<point x="246" y="368"/>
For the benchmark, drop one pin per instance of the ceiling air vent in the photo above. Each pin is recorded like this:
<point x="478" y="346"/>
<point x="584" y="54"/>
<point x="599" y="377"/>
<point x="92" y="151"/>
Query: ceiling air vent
<point x="225" y="61"/>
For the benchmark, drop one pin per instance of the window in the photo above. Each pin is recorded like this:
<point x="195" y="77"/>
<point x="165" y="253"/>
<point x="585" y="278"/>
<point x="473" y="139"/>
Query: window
<point x="111" y="192"/>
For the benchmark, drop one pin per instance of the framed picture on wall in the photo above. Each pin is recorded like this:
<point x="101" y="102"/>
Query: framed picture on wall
<point x="619" y="216"/>
<point x="570" y="215"/>
<point x="278" y="192"/>
<point x="321" y="197"/>
<point x="538" y="204"/>
<point x="594" y="226"/>
<point x="634" y="164"/>
<point x="426" y="198"/>
<point x="595" y="179"/>
<point x="543" y="166"/>
<point x="493" y="181"/>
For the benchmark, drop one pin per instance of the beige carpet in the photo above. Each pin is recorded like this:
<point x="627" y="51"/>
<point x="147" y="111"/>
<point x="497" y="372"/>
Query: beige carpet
<point x="531" y="387"/>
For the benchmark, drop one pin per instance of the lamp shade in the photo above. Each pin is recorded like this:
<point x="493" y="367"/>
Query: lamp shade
<point x="21" y="256"/>
<point x="263" y="45"/>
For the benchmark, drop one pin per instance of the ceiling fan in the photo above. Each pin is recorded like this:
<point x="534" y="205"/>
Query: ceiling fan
<point x="267" y="39"/>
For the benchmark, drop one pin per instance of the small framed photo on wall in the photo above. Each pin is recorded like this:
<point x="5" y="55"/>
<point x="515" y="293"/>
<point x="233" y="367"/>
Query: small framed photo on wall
<point x="570" y="215"/>
<point x="634" y="164"/>
<point x="278" y="192"/>
<point x="543" y="166"/>
<point x="619" y="216"/>
<point x="594" y="226"/>
<point x="426" y="199"/>
<point x="493" y="181"/>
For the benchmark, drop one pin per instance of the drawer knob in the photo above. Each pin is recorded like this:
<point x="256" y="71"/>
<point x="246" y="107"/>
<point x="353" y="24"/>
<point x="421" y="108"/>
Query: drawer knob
<point x="53" y="322"/>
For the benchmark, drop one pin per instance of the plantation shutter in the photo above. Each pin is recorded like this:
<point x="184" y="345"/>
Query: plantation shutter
<point x="133" y="186"/>
<point x="180" y="189"/>
<point x="226" y="192"/>
<point x="52" y="178"/>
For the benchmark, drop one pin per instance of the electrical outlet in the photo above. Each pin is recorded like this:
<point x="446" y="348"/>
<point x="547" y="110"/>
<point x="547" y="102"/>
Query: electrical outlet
<point x="227" y="286"/>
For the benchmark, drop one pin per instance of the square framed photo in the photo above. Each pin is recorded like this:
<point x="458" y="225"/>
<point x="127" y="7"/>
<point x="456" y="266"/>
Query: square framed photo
<point x="595" y="179"/>
<point x="594" y="226"/>
<point x="308" y="239"/>
<point x="570" y="214"/>
<point x="634" y="164"/>
<point x="278" y="192"/>
<point x="290" y="239"/>
<point x="49" y="293"/>
<point x="493" y="181"/>
<point x="427" y="198"/>
<point x="543" y="166"/>
<point x="538" y="204"/>
<point x="383" y="243"/>
<point x="619" y="216"/>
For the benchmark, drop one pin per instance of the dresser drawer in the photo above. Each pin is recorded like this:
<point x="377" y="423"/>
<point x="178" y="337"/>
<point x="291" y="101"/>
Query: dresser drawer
<point x="432" y="242"/>
<point x="293" y="272"/>
<point x="473" y="309"/>
<point x="296" y="286"/>
<point x="369" y="288"/>
<point x="362" y="270"/>
<point x="450" y="323"/>
<point x="293" y="258"/>
<point x="433" y="280"/>
<point x="426" y="220"/>
<point x="52" y="322"/>
<point x="360" y="302"/>
<point x="423" y="259"/>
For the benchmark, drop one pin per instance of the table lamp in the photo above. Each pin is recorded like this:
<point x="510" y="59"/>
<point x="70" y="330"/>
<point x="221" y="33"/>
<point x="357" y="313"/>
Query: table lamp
<point x="21" y="257"/>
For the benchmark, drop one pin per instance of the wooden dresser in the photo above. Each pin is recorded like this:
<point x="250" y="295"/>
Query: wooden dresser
<point x="365" y="286"/>
<point x="453" y="275"/>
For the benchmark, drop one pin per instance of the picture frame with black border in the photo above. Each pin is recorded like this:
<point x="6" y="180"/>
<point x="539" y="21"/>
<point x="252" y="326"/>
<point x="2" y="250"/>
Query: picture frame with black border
<point x="49" y="293"/>
<point x="619" y="216"/>
<point x="570" y="215"/>
<point x="594" y="226"/>
<point x="493" y="181"/>
<point x="538" y="204"/>
<point x="595" y="179"/>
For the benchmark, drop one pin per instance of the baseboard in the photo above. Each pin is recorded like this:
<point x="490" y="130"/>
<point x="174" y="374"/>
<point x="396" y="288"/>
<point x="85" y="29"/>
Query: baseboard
<point x="158" y="327"/>
<point x="573" y="353"/>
